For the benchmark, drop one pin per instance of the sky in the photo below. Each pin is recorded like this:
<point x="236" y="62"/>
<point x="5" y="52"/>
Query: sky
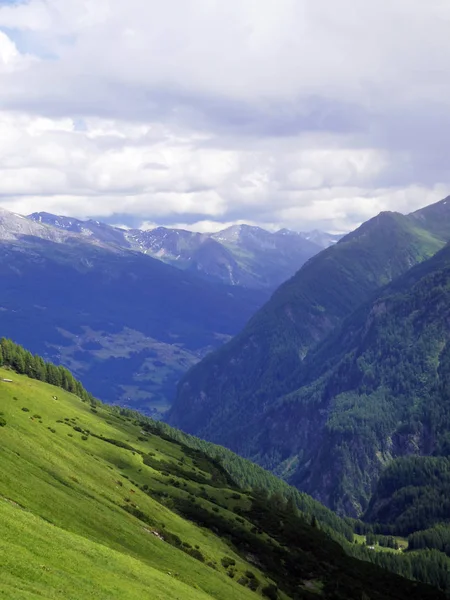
<point x="202" y="113"/>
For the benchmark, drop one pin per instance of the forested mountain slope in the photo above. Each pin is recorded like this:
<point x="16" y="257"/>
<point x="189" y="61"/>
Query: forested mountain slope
<point x="239" y="382"/>
<point x="326" y="385"/>
<point x="377" y="389"/>
<point x="99" y="502"/>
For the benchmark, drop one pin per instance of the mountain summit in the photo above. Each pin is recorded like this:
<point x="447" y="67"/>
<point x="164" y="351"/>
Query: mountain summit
<point x="241" y="255"/>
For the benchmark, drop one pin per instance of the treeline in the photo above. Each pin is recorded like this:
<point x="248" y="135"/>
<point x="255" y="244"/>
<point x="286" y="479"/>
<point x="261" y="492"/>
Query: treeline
<point x="23" y="362"/>
<point x="249" y="476"/>
<point x="437" y="538"/>
<point x="428" y="566"/>
<point x="385" y="541"/>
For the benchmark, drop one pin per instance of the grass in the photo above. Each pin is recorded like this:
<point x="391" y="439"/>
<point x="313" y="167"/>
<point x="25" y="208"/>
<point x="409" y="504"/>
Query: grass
<point x="95" y="507"/>
<point x="62" y="499"/>
<point x="402" y="543"/>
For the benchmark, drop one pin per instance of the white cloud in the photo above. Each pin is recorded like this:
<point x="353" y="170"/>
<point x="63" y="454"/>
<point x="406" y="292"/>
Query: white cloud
<point x="281" y="113"/>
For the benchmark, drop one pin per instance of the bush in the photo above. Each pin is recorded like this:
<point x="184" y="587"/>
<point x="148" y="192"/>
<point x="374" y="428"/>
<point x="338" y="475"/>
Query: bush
<point x="84" y="437"/>
<point x="195" y="554"/>
<point x="2" y="422"/>
<point x="253" y="584"/>
<point x="25" y="409"/>
<point x="270" y="591"/>
<point x="228" y="562"/>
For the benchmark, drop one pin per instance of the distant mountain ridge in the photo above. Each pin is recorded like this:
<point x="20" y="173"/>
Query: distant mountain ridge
<point x="240" y="255"/>
<point x="127" y="324"/>
<point x="267" y="393"/>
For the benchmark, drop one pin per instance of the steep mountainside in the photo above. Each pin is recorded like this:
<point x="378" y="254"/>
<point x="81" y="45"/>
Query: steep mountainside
<point x="264" y="259"/>
<point x="240" y="255"/>
<point x="376" y="390"/>
<point x="325" y="406"/>
<point x="237" y="384"/>
<point x="128" y="325"/>
<point x="99" y="503"/>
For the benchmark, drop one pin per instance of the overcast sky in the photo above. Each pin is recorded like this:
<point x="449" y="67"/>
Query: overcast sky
<point x="282" y="113"/>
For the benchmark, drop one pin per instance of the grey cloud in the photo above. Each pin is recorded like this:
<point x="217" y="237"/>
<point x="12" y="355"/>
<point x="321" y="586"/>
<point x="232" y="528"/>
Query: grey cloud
<point x="277" y="89"/>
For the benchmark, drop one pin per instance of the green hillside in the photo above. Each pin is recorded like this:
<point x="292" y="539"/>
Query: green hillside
<point x="224" y="397"/>
<point x="339" y="374"/>
<point x="95" y="504"/>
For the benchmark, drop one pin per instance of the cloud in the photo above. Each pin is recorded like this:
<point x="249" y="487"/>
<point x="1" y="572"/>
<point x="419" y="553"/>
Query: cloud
<point x="281" y="113"/>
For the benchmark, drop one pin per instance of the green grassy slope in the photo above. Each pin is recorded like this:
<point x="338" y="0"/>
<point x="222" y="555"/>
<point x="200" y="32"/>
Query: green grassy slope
<point x="74" y="488"/>
<point x="93" y="505"/>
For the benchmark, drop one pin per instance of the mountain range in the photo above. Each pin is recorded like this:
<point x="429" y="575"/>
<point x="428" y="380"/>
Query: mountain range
<point x="343" y="369"/>
<point x="241" y="255"/>
<point x="127" y="324"/>
<point x="109" y="303"/>
<point x="338" y="384"/>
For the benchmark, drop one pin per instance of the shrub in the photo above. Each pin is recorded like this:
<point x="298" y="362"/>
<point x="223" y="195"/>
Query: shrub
<point x="195" y="554"/>
<point x="243" y="581"/>
<point x="253" y="584"/>
<point x="37" y="417"/>
<point x="270" y="591"/>
<point x="25" y="409"/>
<point x="51" y="429"/>
<point x="84" y="437"/>
<point x="228" y="562"/>
<point x="2" y="422"/>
